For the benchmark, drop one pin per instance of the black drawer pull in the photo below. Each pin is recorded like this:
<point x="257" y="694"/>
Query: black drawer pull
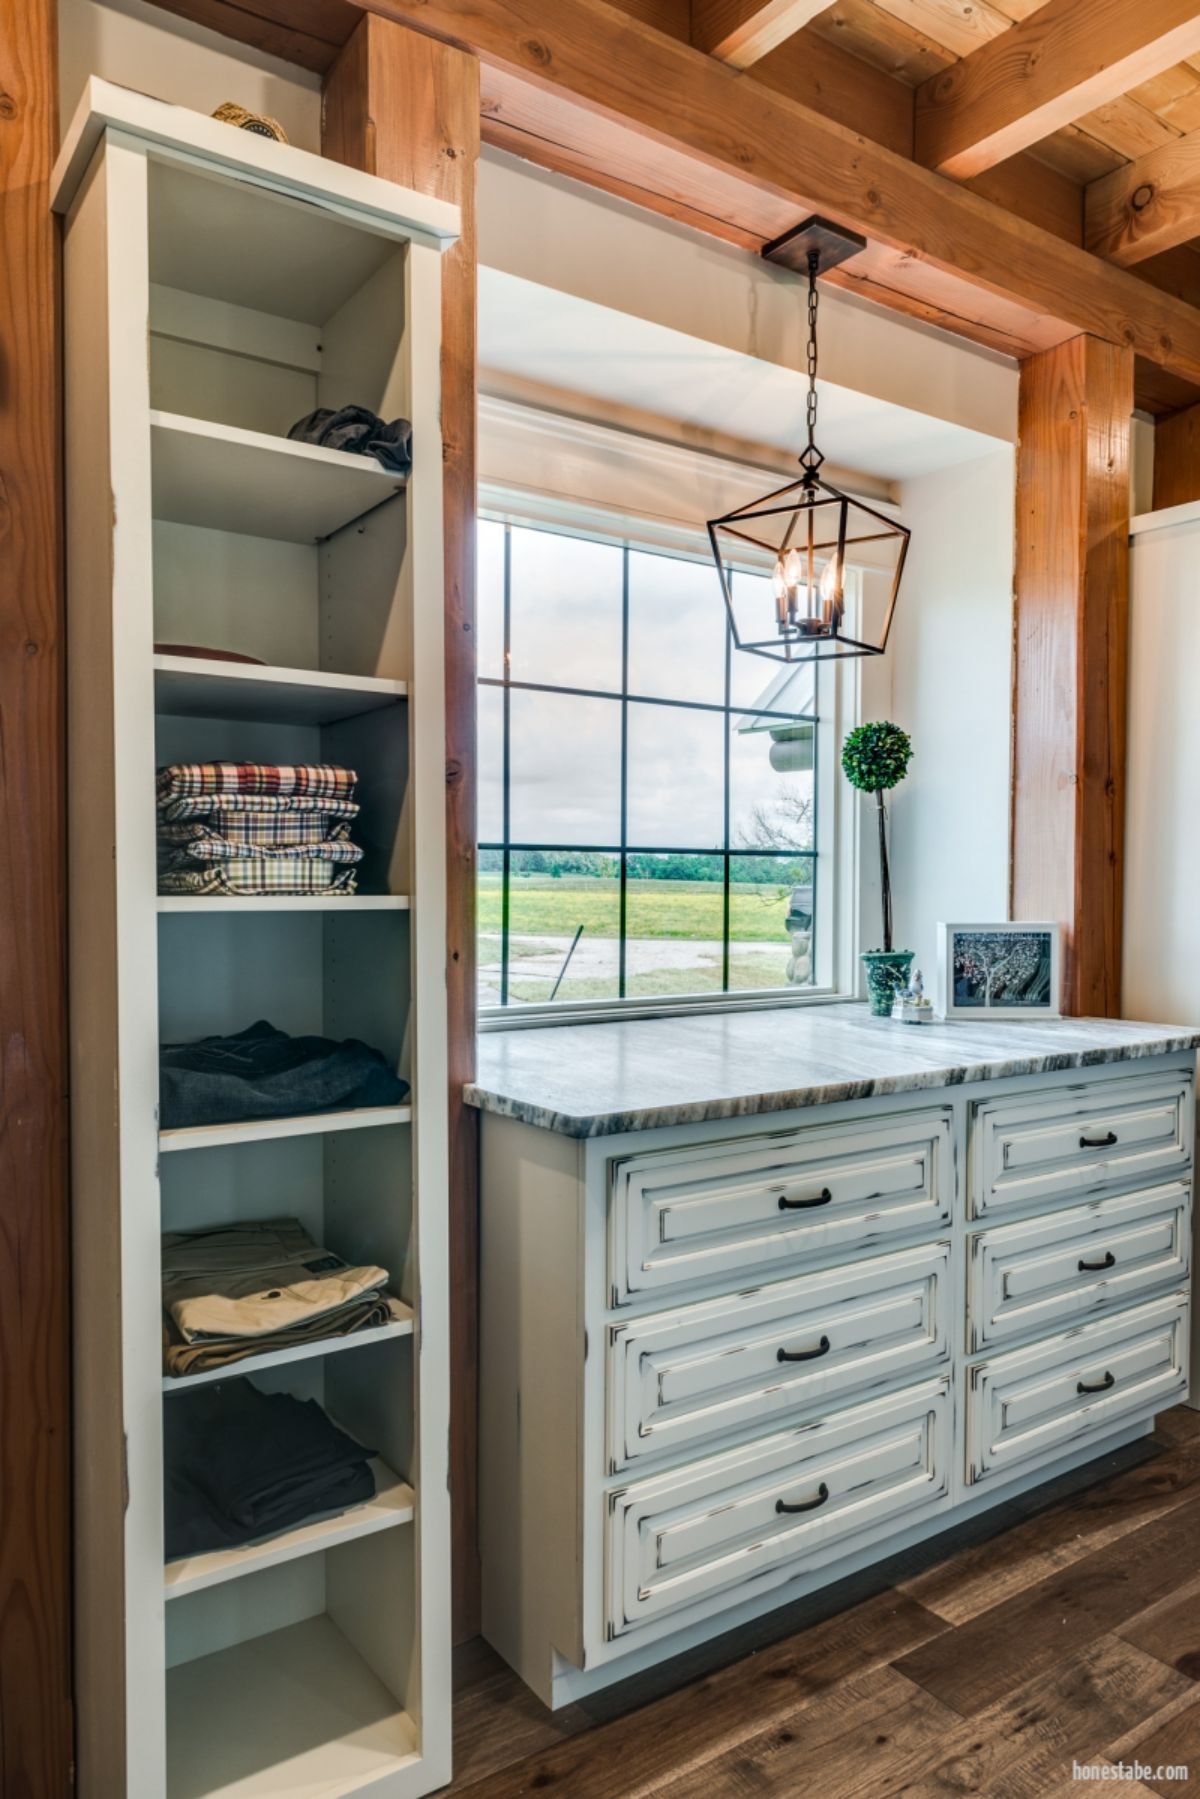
<point x="809" y="1505"/>
<point x="803" y="1355"/>
<point x="823" y="1198"/>
<point x="1110" y="1261"/>
<point x="1105" y="1142"/>
<point x="1110" y="1380"/>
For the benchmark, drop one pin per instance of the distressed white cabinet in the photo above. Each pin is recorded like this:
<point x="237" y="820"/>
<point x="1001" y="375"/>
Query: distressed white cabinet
<point x="726" y="1362"/>
<point x="219" y="286"/>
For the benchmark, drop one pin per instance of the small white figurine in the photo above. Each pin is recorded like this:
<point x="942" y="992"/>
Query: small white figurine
<point x="911" y="1005"/>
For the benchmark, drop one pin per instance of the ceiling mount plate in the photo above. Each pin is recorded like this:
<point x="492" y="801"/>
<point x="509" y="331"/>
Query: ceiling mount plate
<point x="831" y="243"/>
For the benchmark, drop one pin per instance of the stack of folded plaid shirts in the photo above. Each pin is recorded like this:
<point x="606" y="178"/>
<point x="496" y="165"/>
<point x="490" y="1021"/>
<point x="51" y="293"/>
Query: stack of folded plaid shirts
<point x="255" y="827"/>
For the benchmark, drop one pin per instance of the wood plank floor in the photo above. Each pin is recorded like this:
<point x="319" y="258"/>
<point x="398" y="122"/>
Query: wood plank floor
<point x="1063" y="1628"/>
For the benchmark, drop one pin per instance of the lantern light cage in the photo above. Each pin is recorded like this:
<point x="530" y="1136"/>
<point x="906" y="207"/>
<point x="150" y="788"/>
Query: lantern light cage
<point x="810" y="528"/>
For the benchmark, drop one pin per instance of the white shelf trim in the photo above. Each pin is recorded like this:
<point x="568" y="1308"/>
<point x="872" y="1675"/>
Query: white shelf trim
<point x="300" y="1352"/>
<point x="263" y="1130"/>
<point x="223" y="477"/>
<point x="392" y="210"/>
<point x="209" y="687"/>
<point x="284" y="902"/>
<point x="392" y="1505"/>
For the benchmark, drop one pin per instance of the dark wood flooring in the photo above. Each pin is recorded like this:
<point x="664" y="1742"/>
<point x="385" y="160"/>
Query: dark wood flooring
<point x="1063" y="1628"/>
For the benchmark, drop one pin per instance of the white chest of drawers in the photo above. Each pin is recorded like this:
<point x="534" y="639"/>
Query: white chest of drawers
<point x="726" y="1362"/>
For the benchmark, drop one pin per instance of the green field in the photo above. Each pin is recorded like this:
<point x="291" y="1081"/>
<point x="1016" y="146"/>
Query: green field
<point x="540" y="905"/>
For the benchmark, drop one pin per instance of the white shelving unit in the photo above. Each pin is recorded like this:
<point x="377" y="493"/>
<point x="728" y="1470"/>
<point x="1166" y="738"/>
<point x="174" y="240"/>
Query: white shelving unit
<point x="219" y="286"/>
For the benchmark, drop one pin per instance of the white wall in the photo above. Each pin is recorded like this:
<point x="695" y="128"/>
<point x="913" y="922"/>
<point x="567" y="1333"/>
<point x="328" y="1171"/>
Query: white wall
<point x="565" y="235"/>
<point x="1162" y="843"/>
<point x="951" y="690"/>
<point x="142" y="47"/>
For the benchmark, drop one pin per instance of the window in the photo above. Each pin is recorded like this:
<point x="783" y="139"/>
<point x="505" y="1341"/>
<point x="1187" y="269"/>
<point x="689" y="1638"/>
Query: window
<point x="655" y="829"/>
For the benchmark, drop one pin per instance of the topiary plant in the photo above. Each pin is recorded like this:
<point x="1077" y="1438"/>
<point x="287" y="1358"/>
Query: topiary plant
<point x="875" y="758"/>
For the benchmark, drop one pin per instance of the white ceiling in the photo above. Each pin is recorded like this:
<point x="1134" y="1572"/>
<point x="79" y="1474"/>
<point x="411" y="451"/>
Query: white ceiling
<point x="541" y="334"/>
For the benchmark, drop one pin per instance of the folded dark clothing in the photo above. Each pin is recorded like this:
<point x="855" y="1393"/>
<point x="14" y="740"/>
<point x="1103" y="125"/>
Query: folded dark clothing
<point x="263" y="1073"/>
<point x="361" y="432"/>
<point x="241" y="1464"/>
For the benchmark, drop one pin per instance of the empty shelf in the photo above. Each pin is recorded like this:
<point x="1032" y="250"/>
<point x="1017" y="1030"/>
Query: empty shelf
<point x="261" y="486"/>
<point x="283" y="902"/>
<point x="296" y="1711"/>
<point x="300" y="1352"/>
<point x="260" y="1130"/>
<point x="392" y="1505"/>
<point x="193" y="687"/>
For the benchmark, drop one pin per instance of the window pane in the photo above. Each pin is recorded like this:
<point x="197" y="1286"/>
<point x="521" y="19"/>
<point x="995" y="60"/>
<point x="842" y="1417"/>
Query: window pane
<point x="490" y="723"/>
<point x="565" y="760"/>
<point x="552" y="894"/>
<point x="676" y="778"/>
<point x="677" y="629"/>
<point x="770" y="922"/>
<point x="750" y="676"/>
<point x="489" y="598"/>
<point x="488" y="894"/>
<point x="771" y="791"/>
<point x="566" y="601"/>
<point x="674" y="925"/>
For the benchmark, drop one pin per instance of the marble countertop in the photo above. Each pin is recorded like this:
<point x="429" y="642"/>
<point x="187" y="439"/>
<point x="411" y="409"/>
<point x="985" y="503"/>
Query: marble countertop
<point x="590" y="1080"/>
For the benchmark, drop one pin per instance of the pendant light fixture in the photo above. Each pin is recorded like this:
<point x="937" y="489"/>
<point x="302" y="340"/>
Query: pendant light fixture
<point x="808" y="528"/>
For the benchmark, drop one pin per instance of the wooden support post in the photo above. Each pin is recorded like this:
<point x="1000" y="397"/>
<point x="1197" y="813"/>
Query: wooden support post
<point x="1177" y="459"/>
<point x="406" y="107"/>
<point x="35" y="1681"/>
<point x="1071" y="631"/>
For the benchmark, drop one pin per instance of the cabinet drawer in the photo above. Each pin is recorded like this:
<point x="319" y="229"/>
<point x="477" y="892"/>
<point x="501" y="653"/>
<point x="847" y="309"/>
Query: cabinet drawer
<point x="680" y="1538"/>
<point x="692" y="1214"/>
<point x="1046" y="1272"/>
<point x="1080" y="1139"/>
<point x="677" y="1377"/>
<point x="1032" y="1405"/>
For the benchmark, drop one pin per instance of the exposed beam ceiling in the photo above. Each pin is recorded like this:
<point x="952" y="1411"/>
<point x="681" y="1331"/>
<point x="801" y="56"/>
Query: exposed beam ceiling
<point x="1148" y="206"/>
<point x="741" y="32"/>
<point x="604" y="97"/>
<point x="1063" y="61"/>
<point x="307" y="32"/>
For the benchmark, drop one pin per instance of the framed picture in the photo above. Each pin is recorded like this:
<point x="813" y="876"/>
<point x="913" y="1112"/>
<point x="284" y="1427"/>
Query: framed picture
<point x="998" y="970"/>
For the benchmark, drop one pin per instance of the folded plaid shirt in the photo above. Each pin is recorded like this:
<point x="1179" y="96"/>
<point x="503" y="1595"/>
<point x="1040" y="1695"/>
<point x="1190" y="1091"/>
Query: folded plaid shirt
<point x="216" y="849"/>
<point x="251" y="875"/>
<point x="190" y="780"/>
<point x="261" y="830"/>
<point x="220" y="806"/>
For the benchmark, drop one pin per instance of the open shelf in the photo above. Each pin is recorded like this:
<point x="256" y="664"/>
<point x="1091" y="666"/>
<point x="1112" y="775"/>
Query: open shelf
<point x="297" y="1711"/>
<point x="299" y="1352"/>
<point x="248" y="482"/>
<point x="392" y="1505"/>
<point x="283" y="902"/>
<point x="262" y="1130"/>
<point x="197" y="687"/>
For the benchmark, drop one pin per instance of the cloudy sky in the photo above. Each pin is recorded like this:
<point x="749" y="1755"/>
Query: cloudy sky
<point x="566" y="750"/>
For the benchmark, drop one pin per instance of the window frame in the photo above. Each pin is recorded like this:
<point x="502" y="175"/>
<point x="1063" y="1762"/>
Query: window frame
<point x="835" y="852"/>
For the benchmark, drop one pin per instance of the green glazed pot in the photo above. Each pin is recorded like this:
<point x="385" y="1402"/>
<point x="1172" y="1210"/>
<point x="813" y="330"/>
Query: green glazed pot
<point x="887" y="971"/>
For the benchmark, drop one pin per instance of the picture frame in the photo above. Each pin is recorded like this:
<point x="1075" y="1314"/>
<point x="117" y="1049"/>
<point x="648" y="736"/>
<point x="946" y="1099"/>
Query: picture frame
<point x="1010" y="970"/>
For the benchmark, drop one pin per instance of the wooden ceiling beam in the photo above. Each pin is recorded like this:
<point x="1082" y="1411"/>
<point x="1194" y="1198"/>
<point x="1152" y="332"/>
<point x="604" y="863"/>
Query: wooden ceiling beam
<point x="1063" y="61"/>
<point x="741" y="32"/>
<point x="1150" y="205"/>
<point x="610" y="100"/>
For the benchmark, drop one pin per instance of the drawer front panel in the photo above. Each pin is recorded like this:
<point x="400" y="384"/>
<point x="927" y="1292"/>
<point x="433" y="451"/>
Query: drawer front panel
<point x="1048" y="1272"/>
<point x="1080" y="1139"/>
<point x="693" y="1214"/>
<point x="675" y="1378"/>
<point x="681" y="1538"/>
<point x="1032" y="1405"/>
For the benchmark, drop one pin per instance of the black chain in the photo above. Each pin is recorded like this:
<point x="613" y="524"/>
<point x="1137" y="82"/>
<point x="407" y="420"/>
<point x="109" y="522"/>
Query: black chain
<point x="812" y="458"/>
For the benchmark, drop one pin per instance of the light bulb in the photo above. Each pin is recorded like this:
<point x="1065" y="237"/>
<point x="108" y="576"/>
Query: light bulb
<point x="831" y="579"/>
<point x="779" y="581"/>
<point x="793" y="569"/>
